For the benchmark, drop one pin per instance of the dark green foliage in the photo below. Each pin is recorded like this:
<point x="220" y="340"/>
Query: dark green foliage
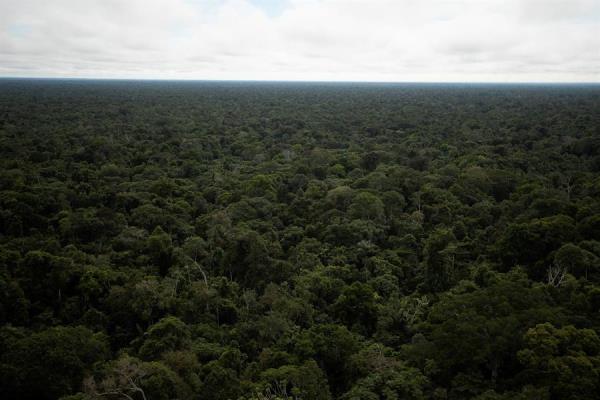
<point x="306" y="381"/>
<point x="245" y="241"/>
<point x="168" y="334"/>
<point x="49" y="363"/>
<point x="565" y="360"/>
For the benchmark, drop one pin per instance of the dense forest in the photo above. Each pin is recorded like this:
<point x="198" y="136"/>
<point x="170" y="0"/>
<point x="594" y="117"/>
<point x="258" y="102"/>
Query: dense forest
<point x="223" y="240"/>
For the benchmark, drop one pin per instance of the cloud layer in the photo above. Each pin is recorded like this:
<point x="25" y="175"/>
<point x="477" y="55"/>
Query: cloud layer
<point x="359" y="40"/>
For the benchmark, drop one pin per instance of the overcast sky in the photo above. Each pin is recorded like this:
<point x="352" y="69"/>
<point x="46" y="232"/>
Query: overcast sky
<point x="356" y="40"/>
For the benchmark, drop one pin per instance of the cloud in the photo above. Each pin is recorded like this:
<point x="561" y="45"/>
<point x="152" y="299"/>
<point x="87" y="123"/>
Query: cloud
<point x="374" y="40"/>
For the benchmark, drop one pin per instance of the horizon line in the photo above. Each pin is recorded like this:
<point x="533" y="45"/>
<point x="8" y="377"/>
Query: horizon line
<point x="582" y="83"/>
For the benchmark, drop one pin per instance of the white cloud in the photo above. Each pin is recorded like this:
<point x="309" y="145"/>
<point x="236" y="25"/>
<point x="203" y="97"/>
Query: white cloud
<point x="375" y="40"/>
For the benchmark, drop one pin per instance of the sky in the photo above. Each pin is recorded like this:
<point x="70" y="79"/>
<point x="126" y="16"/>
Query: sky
<point x="307" y="40"/>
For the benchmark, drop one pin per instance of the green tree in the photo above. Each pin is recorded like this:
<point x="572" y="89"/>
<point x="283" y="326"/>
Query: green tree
<point x="564" y="360"/>
<point x="51" y="363"/>
<point x="168" y="334"/>
<point x="161" y="249"/>
<point x="439" y="255"/>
